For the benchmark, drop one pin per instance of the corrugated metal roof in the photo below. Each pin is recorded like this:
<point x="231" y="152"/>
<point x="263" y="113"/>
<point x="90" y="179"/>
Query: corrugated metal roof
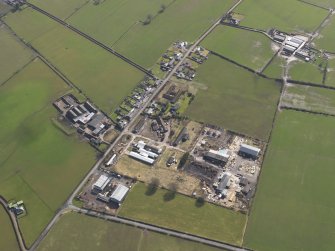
<point x="142" y="158"/>
<point x="251" y="150"/>
<point x="119" y="193"/>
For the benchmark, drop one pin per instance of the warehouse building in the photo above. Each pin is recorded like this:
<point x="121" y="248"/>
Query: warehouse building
<point x="142" y="158"/>
<point x="224" y="184"/>
<point x="101" y="183"/>
<point x="119" y="194"/>
<point x="249" y="151"/>
<point x="217" y="157"/>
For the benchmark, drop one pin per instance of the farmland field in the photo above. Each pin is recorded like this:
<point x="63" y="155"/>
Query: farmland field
<point x="309" y="98"/>
<point x="102" y="76"/>
<point x="294" y="205"/>
<point x="7" y="236"/>
<point x="326" y="39"/>
<point x="306" y="72"/>
<point x="285" y="15"/>
<point x="97" y="234"/>
<point x="251" y="49"/>
<point x="14" y="55"/>
<point x="323" y="3"/>
<point x="234" y="98"/>
<point x="39" y="164"/>
<point x="330" y="79"/>
<point x="276" y="68"/>
<point x="182" y="213"/>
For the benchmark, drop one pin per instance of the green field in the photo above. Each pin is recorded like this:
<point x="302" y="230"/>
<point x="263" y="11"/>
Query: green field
<point x="7" y="236"/>
<point x="306" y="72"/>
<point x="276" y="68"/>
<point x="326" y="39"/>
<point x="323" y="3"/>
<point x="182" y="213"/>
<point x="309" y="98"/>
<point x="14" y="55"/>
<point x="234" y="98"/>
<point x="294" y="205"/>
<point x="39" y="164"/>
<point x="330" y="79"/>
<point x="247" y="48"/>
<point x="61" y="8"/>
<point x="102" y="76"/>
<point x="97" y="234"/>
<point x="285" y="15"/>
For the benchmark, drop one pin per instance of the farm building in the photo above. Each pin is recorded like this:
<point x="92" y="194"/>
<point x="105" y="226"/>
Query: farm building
<point x="111" y="160"/>
<point x="101" y="183"/>
<point x="224" y="183"/>
<point x="142" y="158"/>
<point x="119" y="194"/>
<point x="279" y="38"/>
<point x="217" y="157"/>
<point x="249" y="151"/>
<point x="183" y="136"/>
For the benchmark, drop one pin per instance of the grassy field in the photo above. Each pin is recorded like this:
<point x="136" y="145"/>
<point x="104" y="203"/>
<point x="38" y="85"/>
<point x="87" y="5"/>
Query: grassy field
<point x="310" y="98"/>
<point x="276" y="68"/>
<point x="234" y="98"/>
<point x="306" y="72"/>
<point x="183" y="20"/>
<point x="330" y="79"/>
<point x="183" y="214"/>
<point x="326" y="39"/>
<point x="102" y="76"/>
<point x="285" y="15"/>
<point x="251" y="49"/>
<point x="39" y="164"/>
<point x="97" y="234"/>
<point x="7" y="236"/>
<point x="14" y="55"/>
<point x="294" y="205"/>
<point x="323" y="3"/>
<point x="61" y="8"/>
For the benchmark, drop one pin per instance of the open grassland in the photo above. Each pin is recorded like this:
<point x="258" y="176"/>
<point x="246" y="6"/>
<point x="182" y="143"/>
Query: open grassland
<point x="102" y="76"/>
<point x="7" y="236"/>
<point x="39" y="164"/>
<point x="309" y="98"/>
<point x="247" y="48"/>
<point x="182" y="20"/>
<point x="234" y="98"/>
<point x="306" y="72"/>
<point x="285" y="15"/>
<point x="97" y="234"/>
<point x="60" y="8"/>
<point x="326" y="39"/>
<point x="276" y="68"/>
<point x="182" y="213"/>
<point x="323" y="3"/>
<point x="330" y="79"/>
<point x="294" y="205"/>
<point x="14" y="55"/>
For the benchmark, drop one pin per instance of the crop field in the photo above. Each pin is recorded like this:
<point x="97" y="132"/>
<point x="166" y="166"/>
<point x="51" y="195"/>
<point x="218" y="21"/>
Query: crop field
<point x="306" y="72"/>
<point x="39" y="164"/>
<point x="61" y="8"/>
<point x="183" y="20"/>
<point x="326" y="39"/>
<point x="294" y="205"/>
<point x="251" y="49"/>
<point x="234" y="98"/>
<point x="182" y="213"/>
<point x="276" y="68"/>
<point x="285" y="15"/>
<point x="106" y="235"/>
<point x="309" y="98"/>
<point x="14" y="55"/>
<point x="330" y="79"/>
<point x="7" y="236"/>
<point x="102" y="76"/>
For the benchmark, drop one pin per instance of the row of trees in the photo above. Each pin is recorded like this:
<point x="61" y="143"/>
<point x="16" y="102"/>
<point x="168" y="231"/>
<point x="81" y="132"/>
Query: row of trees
<point x="150" y="17"/>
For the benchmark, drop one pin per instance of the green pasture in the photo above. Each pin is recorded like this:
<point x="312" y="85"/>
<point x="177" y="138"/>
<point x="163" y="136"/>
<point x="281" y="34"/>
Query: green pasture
<point x="14" y="55"/>
<point x="330" y="78"/>
<point x="247" y="48"/>
<point x="100" y="75"/>
<point x="276" y="68"/>
<point x="294" y="205"/>
<point x="309" y="98"/>
<point x="183" y="20"/>
<point x="306" y="72"/>
<point x="323" y="3"/>
<point x="183" y="214"/>
<point x="7" y="237"/>
<point x="326" y="39"/>
<point x="110" y="236"/>
<point x="39" y="164"/>
<point x="285" y="15"/>
<point x="234" y="98"/>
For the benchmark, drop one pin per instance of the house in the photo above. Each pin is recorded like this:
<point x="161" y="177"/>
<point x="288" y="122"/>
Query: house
<point x="249" y="151"/>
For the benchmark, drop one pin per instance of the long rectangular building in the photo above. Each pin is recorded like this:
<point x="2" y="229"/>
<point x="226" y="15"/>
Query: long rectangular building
<point x="119" y="193"/>
<point x="140" y="157"/>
